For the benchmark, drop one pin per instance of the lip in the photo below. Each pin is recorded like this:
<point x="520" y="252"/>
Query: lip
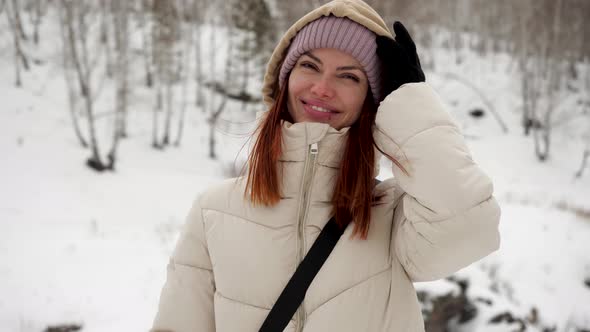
<point x="317" y="115"/>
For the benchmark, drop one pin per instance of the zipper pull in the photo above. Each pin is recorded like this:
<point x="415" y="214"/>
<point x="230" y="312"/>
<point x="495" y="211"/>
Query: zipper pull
<point x="313" y="148"/>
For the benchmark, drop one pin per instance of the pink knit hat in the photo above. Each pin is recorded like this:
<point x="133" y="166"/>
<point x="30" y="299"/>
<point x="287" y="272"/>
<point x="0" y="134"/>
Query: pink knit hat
<point x="340" y="33"/>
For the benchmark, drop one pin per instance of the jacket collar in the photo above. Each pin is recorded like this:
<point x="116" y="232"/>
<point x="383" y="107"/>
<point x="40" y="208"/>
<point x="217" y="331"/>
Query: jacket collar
<point x="297" y="138"/>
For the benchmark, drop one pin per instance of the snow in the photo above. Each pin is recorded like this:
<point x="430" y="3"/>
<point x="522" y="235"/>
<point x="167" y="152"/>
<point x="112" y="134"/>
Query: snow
<point x="88" y="248"/>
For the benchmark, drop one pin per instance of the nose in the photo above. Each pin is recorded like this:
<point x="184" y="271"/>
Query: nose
<point x="323" y="88"/>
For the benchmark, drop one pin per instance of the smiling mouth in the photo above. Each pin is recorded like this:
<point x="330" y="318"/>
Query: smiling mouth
<point x="318" y="108"/>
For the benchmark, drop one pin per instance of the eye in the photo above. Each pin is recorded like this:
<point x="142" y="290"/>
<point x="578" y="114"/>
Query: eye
<point x="351" y="77"/>
<point x="308" y="65"/>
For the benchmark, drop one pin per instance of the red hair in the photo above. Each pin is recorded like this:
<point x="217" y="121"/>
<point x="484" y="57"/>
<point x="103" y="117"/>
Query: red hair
<point x="353" y="192"/>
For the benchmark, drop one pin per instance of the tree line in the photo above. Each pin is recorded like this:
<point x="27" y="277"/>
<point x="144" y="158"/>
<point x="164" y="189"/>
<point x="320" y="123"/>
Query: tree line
<point x="166" y="47"/>
<point x="152" y="44"/>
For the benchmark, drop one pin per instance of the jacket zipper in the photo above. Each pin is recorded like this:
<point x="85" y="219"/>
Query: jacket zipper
<point x="309" y="170"/>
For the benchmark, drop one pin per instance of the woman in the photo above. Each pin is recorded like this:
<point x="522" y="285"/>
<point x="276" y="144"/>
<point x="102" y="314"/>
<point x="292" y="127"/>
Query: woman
<point x="314" y="158"/>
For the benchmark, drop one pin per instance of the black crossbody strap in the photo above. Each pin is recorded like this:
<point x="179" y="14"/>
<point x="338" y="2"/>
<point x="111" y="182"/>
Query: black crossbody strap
<point x="293" y="294"/>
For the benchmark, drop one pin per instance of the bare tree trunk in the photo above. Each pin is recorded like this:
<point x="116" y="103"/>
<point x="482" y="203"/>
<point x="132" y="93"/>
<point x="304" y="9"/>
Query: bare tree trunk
<point x="36" y="19"/>
<point x="155" y="143"/>
<point x="104" y="34"/>
<point x="550" y="66"/>
<point x="170" y="76"/>
<point x="165" y="35"/>
<point x="155" y="114"/>
<point x="73" y="105"/>
<point x="527" y="118"/>
<point x="585" y="157"/>
<point x="72" y="102"/>
<point x="246" y="74"/>
<point x="16" y="39"/>
<point x="456" y="33"/>
<point x="217" y="112"/>
<point x="199" y="98"/>
<point x="19" y="56"/>
<point x="121" y="38"/>
<point x="105" y="6"/>
<point x="213" y="125"/>
<point x="524" y="63"/>
<point x="17" y="19"/>
<point x="540" y="146"/>
<point x="542" y="134"/>
<point x="210" y="100"/>
<point x="81" y="64"/>
<point x="157" y="60"/>
<point x="185" y="74"/>
<point x="541" y="138"/>
<point x="147" y="45"/>
<point x="586" y="110"/>
<point x="169" y="110"/>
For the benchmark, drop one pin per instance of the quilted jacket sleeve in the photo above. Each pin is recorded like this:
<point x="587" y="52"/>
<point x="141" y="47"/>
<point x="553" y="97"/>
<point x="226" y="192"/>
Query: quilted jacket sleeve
<point x="447" y="217"/>
<point x="186" y="301"/>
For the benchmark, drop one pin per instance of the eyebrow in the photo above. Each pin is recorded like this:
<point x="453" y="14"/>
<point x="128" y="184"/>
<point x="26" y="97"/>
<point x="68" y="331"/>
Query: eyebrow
<point x="309" y="54"/>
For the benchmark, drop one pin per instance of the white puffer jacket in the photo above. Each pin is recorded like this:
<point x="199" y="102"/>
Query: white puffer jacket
<point x="233" y="260"/>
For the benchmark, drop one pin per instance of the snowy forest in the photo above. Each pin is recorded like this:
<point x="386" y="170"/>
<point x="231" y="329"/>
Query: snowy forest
<point x="116" y="114"/>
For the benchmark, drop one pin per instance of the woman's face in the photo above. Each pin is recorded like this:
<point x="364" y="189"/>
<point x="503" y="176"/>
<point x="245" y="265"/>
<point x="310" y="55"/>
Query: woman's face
<point x="329" y="86"/>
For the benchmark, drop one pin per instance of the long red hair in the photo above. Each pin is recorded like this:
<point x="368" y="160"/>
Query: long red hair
<point x="353" y="192"/>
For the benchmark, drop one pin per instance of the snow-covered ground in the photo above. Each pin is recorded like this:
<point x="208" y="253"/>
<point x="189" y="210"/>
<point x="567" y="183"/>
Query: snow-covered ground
<point x="88" y="248"/>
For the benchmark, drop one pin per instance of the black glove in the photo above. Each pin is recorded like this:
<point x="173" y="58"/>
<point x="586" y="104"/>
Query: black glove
<point x="399" y="59"/>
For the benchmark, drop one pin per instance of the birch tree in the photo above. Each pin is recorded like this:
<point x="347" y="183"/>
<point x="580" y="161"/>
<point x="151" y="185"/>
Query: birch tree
<point x="70" y="79"/>
<point x="198" y="9"/>
<point x="39" y="7"/>
<point x="252" y="24"/>
<point x="145" y="25"/>
<point x="184" y="72"/>
<point x="218" y="86"/>
<point x="164" y="37"/>
<point x="76" y="14"/>
<point x="586" y="112"/>
<point x="121" y="66"/>
<point x="16" y="9"/>
<point x="539" y="70"/>
<point x="105" y="40"/>
<point x="249" y="38"/>
<point x="12" y="11"/>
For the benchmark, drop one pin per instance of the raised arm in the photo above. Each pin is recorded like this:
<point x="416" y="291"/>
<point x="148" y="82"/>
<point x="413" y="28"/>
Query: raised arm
<point x="447" y="217"/>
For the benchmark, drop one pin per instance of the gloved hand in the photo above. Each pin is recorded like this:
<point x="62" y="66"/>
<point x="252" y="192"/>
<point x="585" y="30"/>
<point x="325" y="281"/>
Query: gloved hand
<point x="399" y="59"/>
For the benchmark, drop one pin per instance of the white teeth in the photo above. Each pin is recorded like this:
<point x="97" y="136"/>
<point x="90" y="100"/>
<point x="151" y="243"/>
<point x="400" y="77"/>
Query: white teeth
<point x="320" y="109"/>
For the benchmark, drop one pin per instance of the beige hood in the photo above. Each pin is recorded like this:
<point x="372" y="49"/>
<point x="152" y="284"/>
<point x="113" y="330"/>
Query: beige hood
<point x="355" y="10"/>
